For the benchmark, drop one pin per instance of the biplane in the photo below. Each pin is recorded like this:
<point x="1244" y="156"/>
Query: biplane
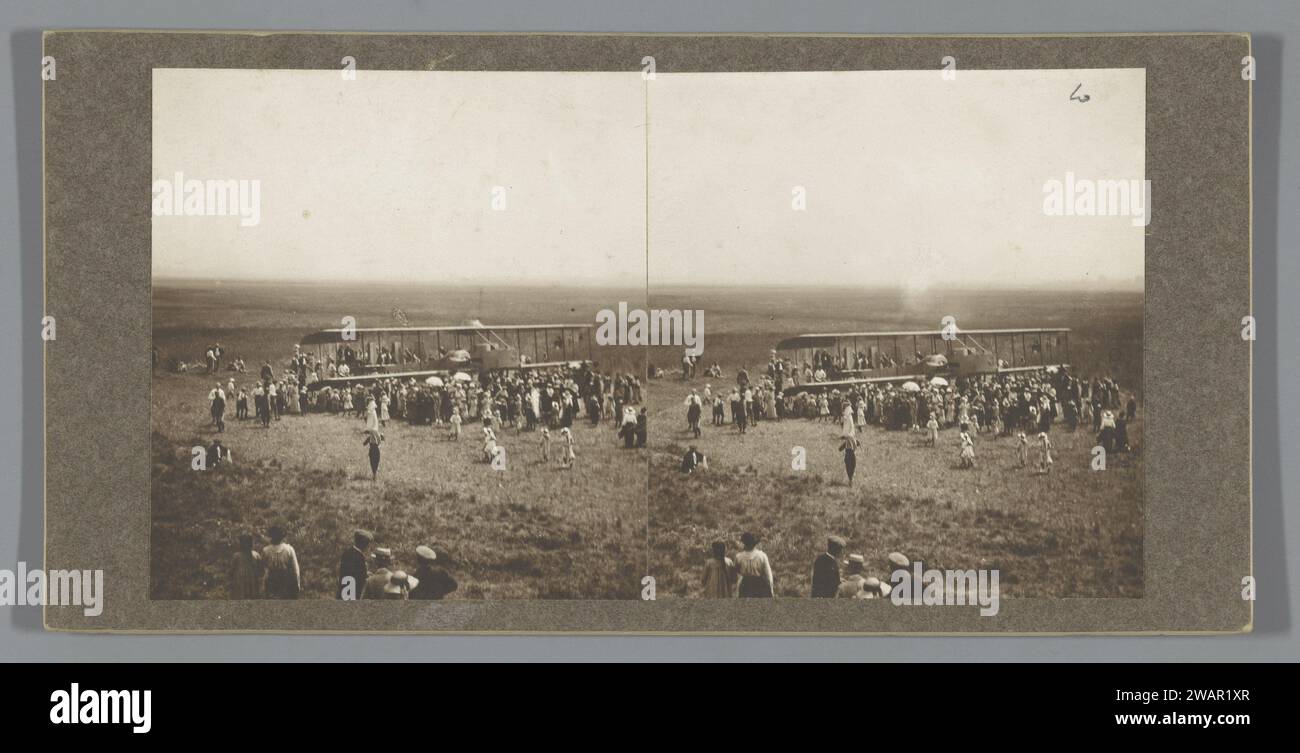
<point x="850" y="358"/>
<point x="421" y="352"/>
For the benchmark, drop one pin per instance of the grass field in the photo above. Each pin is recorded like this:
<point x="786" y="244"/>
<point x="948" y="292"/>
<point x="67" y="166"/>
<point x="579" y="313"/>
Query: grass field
<point x="1072" y="532"/>
<point x="534" y="531"/>
<point x="530" y="531"/>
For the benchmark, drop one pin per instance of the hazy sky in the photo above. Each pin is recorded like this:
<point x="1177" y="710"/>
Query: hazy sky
<point x="391" y="175"/>
<point x="909" y="179"/>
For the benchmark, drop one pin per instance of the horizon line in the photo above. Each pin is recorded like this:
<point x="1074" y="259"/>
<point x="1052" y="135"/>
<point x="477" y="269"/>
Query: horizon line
<point x="1107" y="286"/>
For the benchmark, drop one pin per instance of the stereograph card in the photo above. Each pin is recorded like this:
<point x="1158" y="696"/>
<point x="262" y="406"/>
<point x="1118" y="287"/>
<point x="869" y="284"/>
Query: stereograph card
<point x="649" y="333"/>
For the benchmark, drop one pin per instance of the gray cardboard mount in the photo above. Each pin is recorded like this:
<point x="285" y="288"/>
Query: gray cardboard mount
<point x="1197" y="367"/>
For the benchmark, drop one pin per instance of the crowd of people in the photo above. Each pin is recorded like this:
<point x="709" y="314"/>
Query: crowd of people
<point x="998" y="403"/>
<point x="274" y="572"/>
<point x="748" y="573"/>
<point x="545" y="400"/>
<point x="1025" y="404"/>
<point x="368" y="572"/>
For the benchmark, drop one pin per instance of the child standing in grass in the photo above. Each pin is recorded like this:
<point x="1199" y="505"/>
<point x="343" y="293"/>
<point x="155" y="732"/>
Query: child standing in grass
<point x="932" y="426"/>
<point x="246" y="570"/>
<point x="719" y="574"/>
<point x="455" y="425"/>
<point x="1022" y="447"/>
<point x="567" y="455"/>
<point x="546" y="445"/>
<point x="1045" y="448"/>
<point x="967" y="448"/>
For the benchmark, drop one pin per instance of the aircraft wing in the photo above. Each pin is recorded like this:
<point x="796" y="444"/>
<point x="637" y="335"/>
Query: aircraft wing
<point x="546" y="364"/>
<point x="363" y="378"/>
<point x="1017" y="369"/>
<point x="918" y="378"/>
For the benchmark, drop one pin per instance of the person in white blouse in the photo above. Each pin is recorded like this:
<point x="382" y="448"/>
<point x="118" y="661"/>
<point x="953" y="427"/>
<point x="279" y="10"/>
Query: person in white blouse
<point x="754" y="569"/>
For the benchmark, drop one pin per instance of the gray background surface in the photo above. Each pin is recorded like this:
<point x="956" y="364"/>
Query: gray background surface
<point x="98" y="506"/>
<point x="20" y="276"/>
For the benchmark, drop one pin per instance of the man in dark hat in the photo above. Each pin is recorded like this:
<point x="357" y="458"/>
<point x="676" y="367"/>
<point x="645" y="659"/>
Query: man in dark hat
<point x="353" y="570"/>
<point x="826" y="569"/>
<point x="434" y="582"/>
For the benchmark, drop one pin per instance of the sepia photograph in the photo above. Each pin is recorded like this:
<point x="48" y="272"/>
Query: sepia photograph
<point x="912" y="362"/>
<point x="415" y="328"/>
<point x="387" y="368"/>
